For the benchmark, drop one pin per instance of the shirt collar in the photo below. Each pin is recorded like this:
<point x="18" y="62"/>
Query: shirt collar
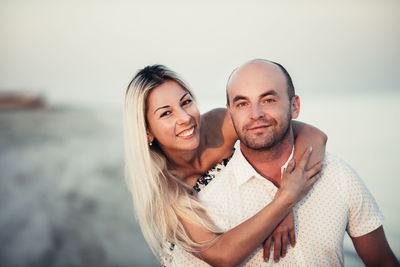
<point x="287" y="162"/>
<point x="243" y="170"/>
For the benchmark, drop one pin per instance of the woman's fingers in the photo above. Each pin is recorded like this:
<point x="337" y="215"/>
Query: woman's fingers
<point x="267" y="248"/>
<point x="305" y="158"/>
<point x="290" y="167"/>
<point x="313" y="179"/>
<point x="315" y="164"/>
<point x="277" y="248"/>
<point x="314" y="170"/>
<point x="284" y="244"/>
<point x="292" y="238"/>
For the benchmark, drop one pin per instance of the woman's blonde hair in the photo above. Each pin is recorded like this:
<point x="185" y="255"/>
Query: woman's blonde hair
<point x="160" y="199"/>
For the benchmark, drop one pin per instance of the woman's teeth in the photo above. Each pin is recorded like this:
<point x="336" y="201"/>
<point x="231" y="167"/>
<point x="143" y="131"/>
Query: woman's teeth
<point x="187" y="132"/>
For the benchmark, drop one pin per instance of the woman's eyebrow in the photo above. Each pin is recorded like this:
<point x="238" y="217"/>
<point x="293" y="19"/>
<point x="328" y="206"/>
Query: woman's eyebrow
<point x="183" y="96"/>
<point x="167" y="106"/>
<point x="161" y="108"/>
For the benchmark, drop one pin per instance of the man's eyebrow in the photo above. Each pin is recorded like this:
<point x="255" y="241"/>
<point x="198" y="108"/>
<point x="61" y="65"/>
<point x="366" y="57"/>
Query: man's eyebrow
<point x="270" y="92"/>
<point x="237" y="98"/>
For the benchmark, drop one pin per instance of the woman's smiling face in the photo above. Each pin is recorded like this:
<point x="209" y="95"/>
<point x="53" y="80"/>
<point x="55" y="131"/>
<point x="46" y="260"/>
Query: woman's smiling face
<point x="173" y="118"/>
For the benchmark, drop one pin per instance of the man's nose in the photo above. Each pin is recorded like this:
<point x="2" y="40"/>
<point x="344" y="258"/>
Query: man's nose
<point x="256" y="112"/>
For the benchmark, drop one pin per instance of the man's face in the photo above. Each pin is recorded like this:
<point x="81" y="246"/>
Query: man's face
<point x="259" y="107"/>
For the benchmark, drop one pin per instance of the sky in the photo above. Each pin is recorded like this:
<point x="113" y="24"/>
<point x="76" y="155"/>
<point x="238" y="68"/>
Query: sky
<point x="343" y="56"/>
<point x="86" y="52"/>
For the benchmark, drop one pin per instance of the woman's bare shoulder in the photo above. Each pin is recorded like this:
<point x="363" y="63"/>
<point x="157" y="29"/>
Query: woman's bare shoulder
<point x="212" y="124"/>
<point x="218" y="128"/>
<point x="216" y="114"/>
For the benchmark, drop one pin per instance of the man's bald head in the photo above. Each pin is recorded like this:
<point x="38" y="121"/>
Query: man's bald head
<point x="260" y="65"/>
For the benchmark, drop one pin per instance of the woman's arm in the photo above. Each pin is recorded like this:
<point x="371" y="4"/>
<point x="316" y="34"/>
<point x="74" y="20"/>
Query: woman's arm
<point x="305" y="136"/>
<point x="219" y="126"/>
<point x="234" y="246"/>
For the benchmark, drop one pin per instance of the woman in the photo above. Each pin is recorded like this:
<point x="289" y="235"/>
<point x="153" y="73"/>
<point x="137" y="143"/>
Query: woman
<point x="169" y="146"/>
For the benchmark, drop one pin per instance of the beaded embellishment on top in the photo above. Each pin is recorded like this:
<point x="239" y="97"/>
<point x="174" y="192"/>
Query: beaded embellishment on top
<point x="209" y="175"/>
<point x="202" y="182"/>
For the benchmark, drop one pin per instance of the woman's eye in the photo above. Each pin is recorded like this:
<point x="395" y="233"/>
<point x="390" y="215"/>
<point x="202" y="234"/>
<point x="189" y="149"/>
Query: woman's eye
<point x="165" y="114"/>
<point x="187" y="101"/>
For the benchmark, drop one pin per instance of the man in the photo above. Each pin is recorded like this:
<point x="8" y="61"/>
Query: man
<point x="262" y="103"/>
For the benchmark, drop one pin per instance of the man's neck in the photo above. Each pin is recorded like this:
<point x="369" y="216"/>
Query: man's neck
<point x="268" y="163"/>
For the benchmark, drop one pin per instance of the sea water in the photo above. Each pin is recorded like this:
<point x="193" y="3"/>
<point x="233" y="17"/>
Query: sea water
<point x="64" y="201"/>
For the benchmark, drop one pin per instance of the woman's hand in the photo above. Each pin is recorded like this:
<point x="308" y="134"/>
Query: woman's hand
<point x="297" y="180"/>
<point x="283" y="233"/>
<point x="235" y="245"/>
<point x="296" y="183"/>
<point x="306" y="135"/>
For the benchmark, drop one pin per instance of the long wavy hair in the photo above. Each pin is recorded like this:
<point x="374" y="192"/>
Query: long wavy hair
<point x="161" y="200"/>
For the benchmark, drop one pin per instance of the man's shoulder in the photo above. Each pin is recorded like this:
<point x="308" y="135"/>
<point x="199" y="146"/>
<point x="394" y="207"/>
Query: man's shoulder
<point x="338" y="170"/>
<point x="333" y="162"/>
<point x="331" y="158"/>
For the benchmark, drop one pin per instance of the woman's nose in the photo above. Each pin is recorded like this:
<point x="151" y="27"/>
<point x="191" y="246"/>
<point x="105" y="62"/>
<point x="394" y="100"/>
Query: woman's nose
<point x="183" y="116"/>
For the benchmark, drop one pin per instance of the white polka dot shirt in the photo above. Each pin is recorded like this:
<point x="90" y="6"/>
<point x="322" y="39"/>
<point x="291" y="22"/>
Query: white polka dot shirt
<point x="339" y="202"/>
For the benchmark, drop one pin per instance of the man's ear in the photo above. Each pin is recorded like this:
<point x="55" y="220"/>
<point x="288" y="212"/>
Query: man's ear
<point x="295" y="106"/>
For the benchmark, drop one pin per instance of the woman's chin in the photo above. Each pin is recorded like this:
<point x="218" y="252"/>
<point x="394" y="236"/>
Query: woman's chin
<point x="190" y="145"/>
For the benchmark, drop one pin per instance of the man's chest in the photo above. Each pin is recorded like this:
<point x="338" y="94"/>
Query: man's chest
<point x="321" y="215"/>
<point x="320" y="218"/>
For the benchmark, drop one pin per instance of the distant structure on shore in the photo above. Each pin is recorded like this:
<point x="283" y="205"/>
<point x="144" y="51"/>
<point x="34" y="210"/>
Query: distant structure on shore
<point x="21" y="100"/>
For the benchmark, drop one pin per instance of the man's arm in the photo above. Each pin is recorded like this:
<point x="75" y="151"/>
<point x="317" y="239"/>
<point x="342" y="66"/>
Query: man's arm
<point x="374" y="249"/>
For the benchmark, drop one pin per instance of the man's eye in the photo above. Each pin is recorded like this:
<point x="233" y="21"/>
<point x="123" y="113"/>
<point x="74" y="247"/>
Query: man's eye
<point x="241" y="104"/>
<point x="166" y="113"/>
<point x="270" y="100"/>
<point x="187" y="101"/>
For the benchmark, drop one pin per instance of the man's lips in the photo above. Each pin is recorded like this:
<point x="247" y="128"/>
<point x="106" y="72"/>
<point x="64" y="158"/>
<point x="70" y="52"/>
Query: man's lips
<point x="258" y="127"/>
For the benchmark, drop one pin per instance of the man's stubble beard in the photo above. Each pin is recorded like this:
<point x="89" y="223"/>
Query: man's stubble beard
<point x="275" y="138"/>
